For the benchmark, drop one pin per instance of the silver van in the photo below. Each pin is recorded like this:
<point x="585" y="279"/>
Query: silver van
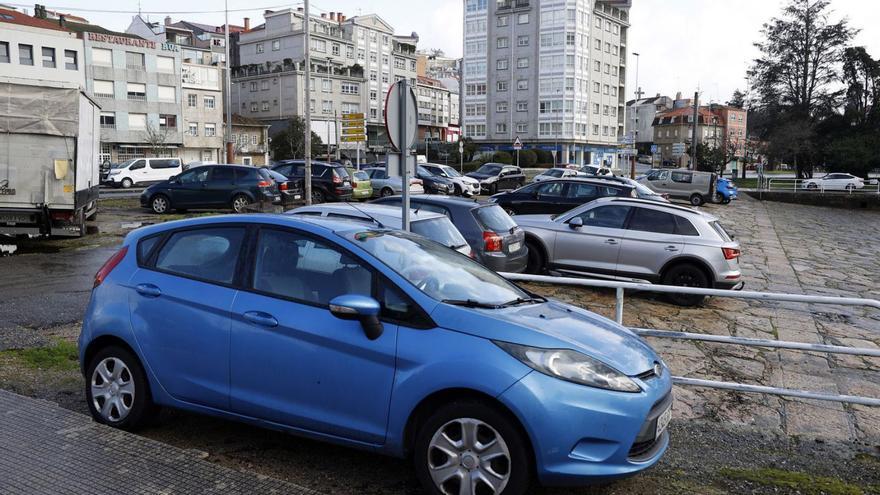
<point x="696" y="187"/>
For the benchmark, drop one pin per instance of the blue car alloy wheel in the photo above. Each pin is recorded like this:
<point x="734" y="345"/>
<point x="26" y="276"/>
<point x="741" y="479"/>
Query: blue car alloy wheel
<point x="445" y="362"/>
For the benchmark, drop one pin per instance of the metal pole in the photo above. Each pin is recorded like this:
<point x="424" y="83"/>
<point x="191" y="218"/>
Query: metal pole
<point x="618" y="308"/>
<point x="230" y="158"/>
<point x="308" y="101"/>
<point x="696" y="139"/>
<point x="404" y="148"/>
<point x="784" y="392"/>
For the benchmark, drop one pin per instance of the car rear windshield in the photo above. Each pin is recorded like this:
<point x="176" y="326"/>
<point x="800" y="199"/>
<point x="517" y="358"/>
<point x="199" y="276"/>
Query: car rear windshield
<point x="341" y="172"/>
<point x="489" y="169"/>
<point x="553" y="173"/>
<point x="721" y="231"/>
<point x="440" y="230"/>
<point x="265" y="174"/>
<point x="494" y="218"/>
<point x="361" y="175"/>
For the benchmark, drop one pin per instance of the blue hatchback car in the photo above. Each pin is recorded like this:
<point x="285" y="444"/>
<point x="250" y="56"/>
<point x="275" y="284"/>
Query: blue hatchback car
<point x="375" y="339"/>
<point x="725" y="191"/>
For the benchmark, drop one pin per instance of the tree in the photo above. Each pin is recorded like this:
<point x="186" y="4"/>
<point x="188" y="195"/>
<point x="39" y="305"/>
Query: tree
<point x="157" y="139"/>
<point x="797" y="73"/>
<point x="290" y="143"/>
<point x="711" y="158"/>
<point x="856" y="154"/>
<point x="738" y="99"/>
<point x="861" y="74"/>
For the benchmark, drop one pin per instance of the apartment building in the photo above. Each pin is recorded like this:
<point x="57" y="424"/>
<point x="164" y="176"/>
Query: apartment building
<point x="201" y="70"/>
<point x="39" y="49"/>
<point x="354" y="62"/>
<point x="438" y="112"/>
<point x="250" y="138"/>
<point x="640" y="119"/>
<point x="717" y="125"/>
<point x="552" y="74"/>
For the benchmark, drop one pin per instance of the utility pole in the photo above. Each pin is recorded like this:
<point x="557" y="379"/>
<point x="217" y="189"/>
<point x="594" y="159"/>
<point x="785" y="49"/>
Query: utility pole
<point x="307" y="25"/>
<point x="230" y="157"/>
<point x="696" y="137"/>
<point x="404" y="151"/>
<point x="635" y="133"/>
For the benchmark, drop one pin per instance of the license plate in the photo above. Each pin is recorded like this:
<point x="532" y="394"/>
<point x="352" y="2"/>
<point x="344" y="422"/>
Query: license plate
<point x="663" y="422"/>
<point x="515" y="246"/>
<point x="7" y="192"/>
<point x="297" y="196"/>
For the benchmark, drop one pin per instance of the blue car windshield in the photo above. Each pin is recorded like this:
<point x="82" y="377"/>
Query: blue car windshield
<point x="438" y="271"/>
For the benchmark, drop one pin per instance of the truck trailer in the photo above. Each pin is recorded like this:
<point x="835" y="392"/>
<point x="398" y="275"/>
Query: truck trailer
<point x="49" y="158"/>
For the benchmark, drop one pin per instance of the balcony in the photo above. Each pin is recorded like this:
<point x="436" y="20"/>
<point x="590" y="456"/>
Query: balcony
<point x="137" y="97"/>
<point x="511" y="4"/>
<point x="108" y="126"/>
<point x="135" y="67"/>
<point x="108" y="96"/>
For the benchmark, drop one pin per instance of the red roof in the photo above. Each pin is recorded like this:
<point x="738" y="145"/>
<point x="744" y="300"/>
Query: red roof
<point x="15" y="17"/>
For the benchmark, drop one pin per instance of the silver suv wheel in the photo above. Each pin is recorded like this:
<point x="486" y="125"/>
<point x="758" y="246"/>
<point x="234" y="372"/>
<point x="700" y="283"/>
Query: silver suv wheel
<point x="113" y="390"/>
<point x="466" y="454"/>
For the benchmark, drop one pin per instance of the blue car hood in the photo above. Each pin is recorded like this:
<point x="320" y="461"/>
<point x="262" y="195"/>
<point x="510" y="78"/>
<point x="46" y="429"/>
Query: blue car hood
<point x="553" y="325"/>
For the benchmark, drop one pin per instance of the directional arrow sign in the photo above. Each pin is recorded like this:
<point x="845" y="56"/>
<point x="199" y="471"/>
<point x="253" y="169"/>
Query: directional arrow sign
<point x="352" y="116"/>
<point x="346" y="124"/>
<point x="353" y="139"/>
<point x="355" y="131"/>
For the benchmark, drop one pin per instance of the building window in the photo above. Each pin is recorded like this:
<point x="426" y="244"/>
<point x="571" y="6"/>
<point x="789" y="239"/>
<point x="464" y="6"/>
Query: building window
<point x="500" y="128"/>
<point x="134" y="61"/>
<point x="104" y="89"/>
<point x="501" y="107"/>
<point x="522" y="63"/>
<point x="70" y="60"/>
<point x="192" y="100"/>
<point x="108" y="120"/>
<point x="335" y="49"/>
<point x="522" y="84"/>
<point x="503" y="20"/>
<point x="264" y="85"/>
<point x="167" y="94"/>
<point x="276" y="45"/>
<point x="349" y="88"/>
<point x="327" y="106"/>
<point x="501" y="64"/>
<point x="167" y="122"/>
<point x="501" y="86"/>
<point x="502" y="42"/>
<point x="319" y="45"/>
<point x="260" y="48"/>
<point x="374" y="95"/>
<point x="137" y="121"/>
<point x="522" y="19"/>
<point x="102" y="56"/>
<point x="48" y="57"/>
<point x="522" y="41"/>
<point x="210" y="103"/>
<point x="4" y="52"/>
<point x="137" y="91"/>
<point x="165" y="64"/>
<point x="210" y="130"/>
<point x="25" y="54"/>
<point x="326" y="85"/>
<point x="522" y="106"/>
<point x="254" y="107"/>
<point x="265" y="106"/>
<point x="522" y="128"/>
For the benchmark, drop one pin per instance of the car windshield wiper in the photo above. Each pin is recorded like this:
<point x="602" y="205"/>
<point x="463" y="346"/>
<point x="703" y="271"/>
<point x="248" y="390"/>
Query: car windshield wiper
<point x="469" y="303"/>
<point x="523" y="300"/>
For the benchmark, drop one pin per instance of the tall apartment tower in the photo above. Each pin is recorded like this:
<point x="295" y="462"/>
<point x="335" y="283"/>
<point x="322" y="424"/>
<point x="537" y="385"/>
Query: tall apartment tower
<point x="549" y="72"/>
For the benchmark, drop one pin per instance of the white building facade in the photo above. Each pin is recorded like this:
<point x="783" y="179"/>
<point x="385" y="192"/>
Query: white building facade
<point x="551" y="73"/>
<point x="37" y="49"/>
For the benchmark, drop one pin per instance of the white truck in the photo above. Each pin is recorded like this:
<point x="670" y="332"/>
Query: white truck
<point x="49" y="161"/>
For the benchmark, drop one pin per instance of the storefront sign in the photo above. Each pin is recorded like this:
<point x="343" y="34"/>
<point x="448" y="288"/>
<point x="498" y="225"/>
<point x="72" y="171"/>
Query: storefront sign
<point x="122" y="40"/>
<point x="170" y="47"/>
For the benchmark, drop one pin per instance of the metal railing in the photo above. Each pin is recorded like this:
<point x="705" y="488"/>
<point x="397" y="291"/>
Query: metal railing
<point x="871" y="186"/>
<point x="621" y="287"/>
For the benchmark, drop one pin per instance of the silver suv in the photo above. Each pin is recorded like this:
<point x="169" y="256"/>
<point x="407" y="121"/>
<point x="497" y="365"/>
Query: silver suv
<point x="635" y="239"/>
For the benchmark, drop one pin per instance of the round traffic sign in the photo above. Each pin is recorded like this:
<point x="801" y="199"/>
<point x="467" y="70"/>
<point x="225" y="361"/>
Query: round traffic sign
<point x="393" y="118"/>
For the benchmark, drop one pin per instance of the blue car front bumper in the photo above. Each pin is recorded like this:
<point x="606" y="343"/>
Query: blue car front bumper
<point x="583" y="435"/>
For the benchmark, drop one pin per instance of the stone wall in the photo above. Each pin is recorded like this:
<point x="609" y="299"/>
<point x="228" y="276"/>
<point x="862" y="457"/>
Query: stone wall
<point x="856" y="201"/>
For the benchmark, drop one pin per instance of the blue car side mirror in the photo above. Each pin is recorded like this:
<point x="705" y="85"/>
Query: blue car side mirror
<point x="359" y="308"/>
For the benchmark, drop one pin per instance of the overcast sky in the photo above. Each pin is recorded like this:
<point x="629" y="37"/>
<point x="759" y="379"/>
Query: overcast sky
<point x="684" y="44"/>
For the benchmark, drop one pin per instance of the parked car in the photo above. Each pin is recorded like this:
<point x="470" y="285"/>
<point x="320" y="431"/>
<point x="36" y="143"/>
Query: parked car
<point x="642" y="192"/>
<point x="834" y="182"/>
<point x="362" y="187"/>
<point x="494" y="237"/>
<point x="143" y="171"/>
<point x="495" y="177"/>
<point x="292" y="191"/>
<point x="557" y="173"/>
<point x="558" y="195"/>
<point x="696" y="187"/>
<point x="434" y="226"/>
<point x="725" y="191"/>
<point x="636" y="239"/>
<point x="374" y="339"/>
<point x="212" y="186"/>
<point x="595" y="170"/>
<point x="464" y="186"/>
<point x="434" y="184"/>
<point x="330" y="181"/>
<point x="383" y="185"/>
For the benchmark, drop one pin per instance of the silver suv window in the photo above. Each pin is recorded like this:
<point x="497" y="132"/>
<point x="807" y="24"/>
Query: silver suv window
<point x="607" y="217"/>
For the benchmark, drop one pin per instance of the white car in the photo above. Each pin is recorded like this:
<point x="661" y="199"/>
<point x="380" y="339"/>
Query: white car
<point x="143" y="171"/>
<point x="557" y="173"/>
<point x="834" y="182"/>
<point x="464" y="186"/>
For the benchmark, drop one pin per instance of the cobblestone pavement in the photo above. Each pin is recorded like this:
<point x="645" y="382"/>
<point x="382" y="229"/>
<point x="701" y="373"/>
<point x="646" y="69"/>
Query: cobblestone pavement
<point x="786" y="248"/>
<point x="47" y="449"/>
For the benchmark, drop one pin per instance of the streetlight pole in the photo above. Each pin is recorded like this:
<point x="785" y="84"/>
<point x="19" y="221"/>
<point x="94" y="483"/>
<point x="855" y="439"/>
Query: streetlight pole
<point x="307" y="25"/>
<point x="559" y="131"/>
<point x="229" y="151"/>
<point x="635" y="109"/>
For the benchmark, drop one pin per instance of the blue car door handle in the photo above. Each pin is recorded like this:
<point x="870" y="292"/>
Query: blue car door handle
<point x="260" y="318"/>
<point x="148" y="290"/>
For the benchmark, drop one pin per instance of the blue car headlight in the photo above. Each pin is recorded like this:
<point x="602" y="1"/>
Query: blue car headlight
<point x="571" y="366"/>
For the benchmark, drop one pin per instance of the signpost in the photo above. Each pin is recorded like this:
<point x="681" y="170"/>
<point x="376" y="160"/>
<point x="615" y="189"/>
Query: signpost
<point x="517" y="146"/>
<point x="401" y="124"/>
<point x="354" y="130"/>
<point x="461" y="154"/>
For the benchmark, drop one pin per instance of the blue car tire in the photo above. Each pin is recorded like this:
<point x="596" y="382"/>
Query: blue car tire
<point x="117" y="391"/>
<point x="471" y="442"/>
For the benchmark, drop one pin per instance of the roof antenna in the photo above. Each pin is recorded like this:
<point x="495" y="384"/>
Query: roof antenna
<point x="371" y="217"/>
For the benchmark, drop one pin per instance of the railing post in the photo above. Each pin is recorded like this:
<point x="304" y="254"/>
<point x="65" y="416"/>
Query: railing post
<point x="618" y="309"/>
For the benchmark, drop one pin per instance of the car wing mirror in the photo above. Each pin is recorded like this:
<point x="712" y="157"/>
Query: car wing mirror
<point x="359" y="308"/>
<point x="576" y="223"/>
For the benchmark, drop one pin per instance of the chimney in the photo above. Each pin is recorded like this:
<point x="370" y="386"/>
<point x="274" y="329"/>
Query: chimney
<point x="247" y="24"/>
<point x="332" y="16"/>
<point x="323" y="15"/>
<point x="678" y="95"/>
<point x="62" y="21"/>
<point x="167" y="20"/>
<point x="300" y="9"/>
<point x="339" y="16"/>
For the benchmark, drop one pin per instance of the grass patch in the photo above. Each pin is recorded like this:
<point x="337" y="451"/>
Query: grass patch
<point x="62" y="356"/>
<point x="119" y="202"/>
<point x="794" y="481"/>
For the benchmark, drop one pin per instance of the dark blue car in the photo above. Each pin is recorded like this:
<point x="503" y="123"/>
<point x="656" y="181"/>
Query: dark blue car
<point x="375" y="339"/>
